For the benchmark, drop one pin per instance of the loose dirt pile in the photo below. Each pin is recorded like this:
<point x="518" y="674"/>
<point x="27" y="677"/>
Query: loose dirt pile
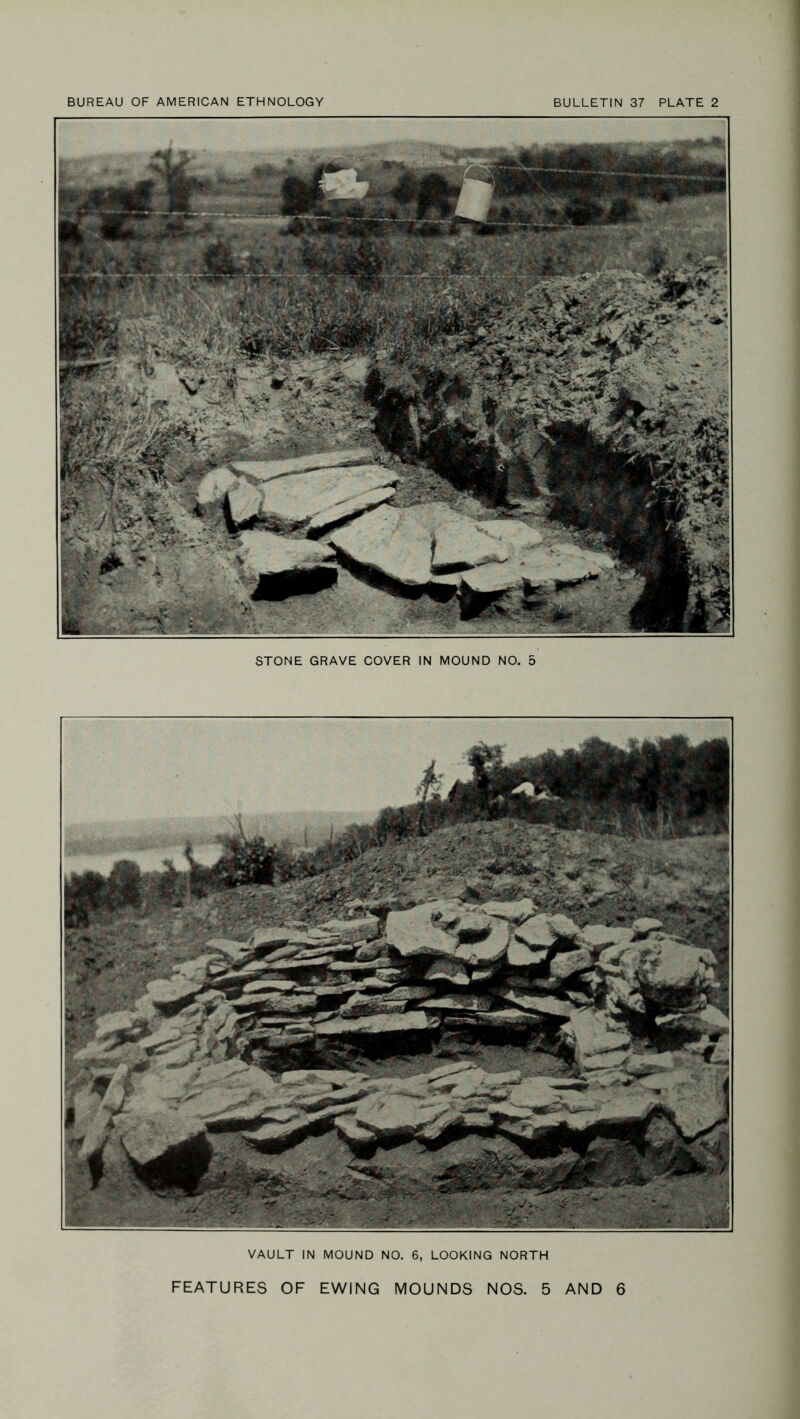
<point x="607" y="396"/>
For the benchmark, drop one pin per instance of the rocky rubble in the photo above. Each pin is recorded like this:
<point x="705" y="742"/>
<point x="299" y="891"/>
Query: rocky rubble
<point x="295" y="515"/>
<point x="246" y="1037"/>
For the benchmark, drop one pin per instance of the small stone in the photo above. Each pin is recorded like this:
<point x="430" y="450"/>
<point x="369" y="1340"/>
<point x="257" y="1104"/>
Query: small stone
<point x="536" y="933"/>
<point x="644" y="925"/>
<point x="452" y="971"/>
<point x="171" y="995"/>
<point x="275" y="1137"/>
<point x="514" y="912"/>
<point x="520" y="955"/>
<point x="569" y="963"/>
<point x="473" y="926"/>
<point x="487" y="949"/>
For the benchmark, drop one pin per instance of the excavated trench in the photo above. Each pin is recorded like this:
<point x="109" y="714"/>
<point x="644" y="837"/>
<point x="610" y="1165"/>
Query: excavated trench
<point x="590" y="486"/>
<point x="560" y="470"/>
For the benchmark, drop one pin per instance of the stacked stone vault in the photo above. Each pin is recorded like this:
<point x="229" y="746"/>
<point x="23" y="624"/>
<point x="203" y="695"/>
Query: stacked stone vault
<point x="627" y="1007"/>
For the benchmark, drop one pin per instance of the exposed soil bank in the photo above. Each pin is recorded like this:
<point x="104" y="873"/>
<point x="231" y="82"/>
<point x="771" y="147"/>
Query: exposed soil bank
<point x="606" y="397"/>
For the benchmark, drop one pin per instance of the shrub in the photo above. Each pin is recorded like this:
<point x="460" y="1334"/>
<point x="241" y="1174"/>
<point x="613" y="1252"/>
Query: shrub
<point x="623" y="209"/>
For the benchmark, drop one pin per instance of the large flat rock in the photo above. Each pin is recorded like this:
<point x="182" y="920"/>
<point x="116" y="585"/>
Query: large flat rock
<point x="350" y="508"/>
<point x="164" y="1145"/>
<point x="413" y="932"/>
<point x="264" y="470"/>
<point x="376" y="1024"/>
<point x="268" y="557"/>
<point x="243" y="503"/>
<point x="395" y="542"/>
<point x="513" y="535"/>
<point x="460" y="542"/>
<point x="291" y="503"/>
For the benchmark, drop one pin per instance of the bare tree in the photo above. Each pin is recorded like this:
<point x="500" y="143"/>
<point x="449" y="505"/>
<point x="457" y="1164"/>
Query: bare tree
<point x="171" y="166"/>
<point x="429" y="787"/>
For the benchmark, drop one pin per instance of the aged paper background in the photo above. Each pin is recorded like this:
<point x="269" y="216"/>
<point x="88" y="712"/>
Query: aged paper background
<point x="703" y="1330"/>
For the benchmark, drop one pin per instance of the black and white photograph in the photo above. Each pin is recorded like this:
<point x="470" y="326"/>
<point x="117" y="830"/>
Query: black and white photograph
<point x="448" y="974"/>
<point x="417" y="376"/>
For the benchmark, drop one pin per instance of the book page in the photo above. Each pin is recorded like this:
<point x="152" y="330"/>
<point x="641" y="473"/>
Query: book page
<point x="400" y="894"/>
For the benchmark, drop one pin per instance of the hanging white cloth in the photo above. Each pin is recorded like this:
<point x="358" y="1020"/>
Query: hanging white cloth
<point x="343" y="184"/>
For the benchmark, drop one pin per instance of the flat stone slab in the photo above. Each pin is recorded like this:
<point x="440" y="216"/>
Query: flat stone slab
<point x="695" y="1104"/>
<point x="514" y="912"/>
<point x="349" y="508"/>
<point x="377" y="1024"/>
<point x="544" y="565"/>
<point x="488" y="949"/>
<point x="536" y="1004"/>
<point x="266" y="556"/>
<point x="536" y="933"/>
<point x="452" y="971"/>
<point x="264" y="470"/>
<point x="235" y="951"/>
<point x="520" y="955"/>
<point x="291" y="503"/>
<point x="601" y="560"/>
<point x="600" y="938"/>
<point x="275" y="1137"/>
<point x="243" y="503"/>
<point x="413" y="933"/>
<point x="459" y="542"/>
<point x="568" y="963"/>
<point x="515" y="536"/>
<point x="396" y="542"/>
<point x="213" y="486"/>
<point x="464" y="1004"/>
<point x="170" y="995"/>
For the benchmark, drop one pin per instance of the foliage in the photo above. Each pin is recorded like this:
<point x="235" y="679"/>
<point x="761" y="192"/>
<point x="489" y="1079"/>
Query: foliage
<point x="124" y="885"/>
<point x="486" y="761"/>
<point x="297" y="196"/>
<point x="406" y="188"/>
<point x="434" y="195"/>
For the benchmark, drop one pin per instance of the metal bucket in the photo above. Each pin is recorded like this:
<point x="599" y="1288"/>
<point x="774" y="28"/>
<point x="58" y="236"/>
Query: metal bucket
<point x="475" y="197"/>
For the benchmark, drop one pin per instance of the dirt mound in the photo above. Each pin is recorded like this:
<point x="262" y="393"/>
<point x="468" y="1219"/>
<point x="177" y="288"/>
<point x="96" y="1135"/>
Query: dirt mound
<point x="607" y="396"/>
<point x="684" y="881"/>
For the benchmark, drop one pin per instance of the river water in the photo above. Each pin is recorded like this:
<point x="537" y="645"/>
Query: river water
<point x="150" y="859"/>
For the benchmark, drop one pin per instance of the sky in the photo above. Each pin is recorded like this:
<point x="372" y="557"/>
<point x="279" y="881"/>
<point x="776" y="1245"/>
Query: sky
<point x="122" y="769"/>
<point x="83" y="137"/>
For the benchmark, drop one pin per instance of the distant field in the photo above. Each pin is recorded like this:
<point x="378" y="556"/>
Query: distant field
<point x="227" y="287"/>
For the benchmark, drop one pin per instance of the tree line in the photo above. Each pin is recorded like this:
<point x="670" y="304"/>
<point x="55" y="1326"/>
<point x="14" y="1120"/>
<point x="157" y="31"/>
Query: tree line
<point x="651" y="788"/>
